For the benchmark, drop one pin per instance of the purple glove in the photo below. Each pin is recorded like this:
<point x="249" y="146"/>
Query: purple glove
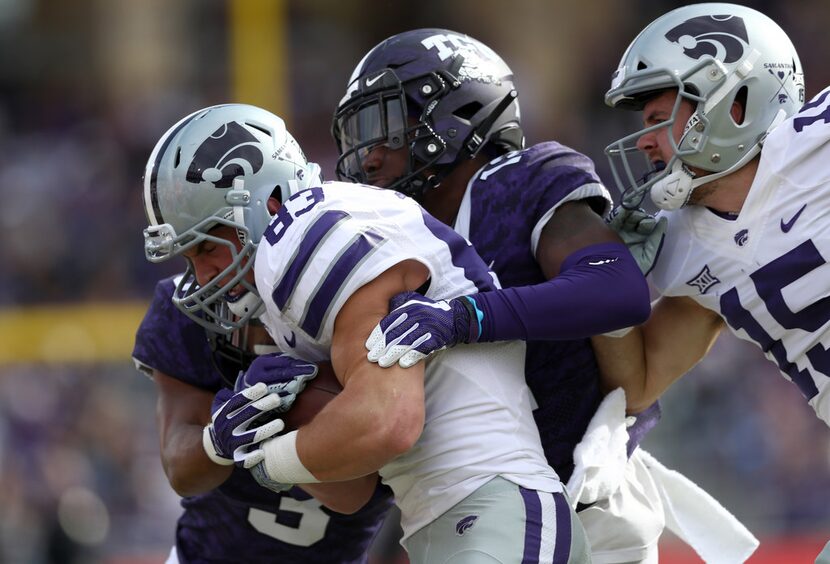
<point x="234" y="428"/>
<point x="244" y="417"/>
<point x="284" y="376"/>
<point x="417" y="326"/>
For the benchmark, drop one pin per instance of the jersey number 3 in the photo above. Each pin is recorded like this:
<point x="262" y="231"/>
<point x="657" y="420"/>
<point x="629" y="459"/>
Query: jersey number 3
<point x="310" y="528"/>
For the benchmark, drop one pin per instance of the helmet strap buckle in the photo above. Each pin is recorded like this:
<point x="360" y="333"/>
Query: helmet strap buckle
<point x="476" y="139"/>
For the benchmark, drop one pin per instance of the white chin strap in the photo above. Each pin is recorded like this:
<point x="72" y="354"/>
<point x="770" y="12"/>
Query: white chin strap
<point x="673" y="190"/>
<point x="249" y="302"/>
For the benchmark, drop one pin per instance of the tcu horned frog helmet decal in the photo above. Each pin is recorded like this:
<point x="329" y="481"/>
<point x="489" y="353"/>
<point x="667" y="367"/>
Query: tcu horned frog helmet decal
<point x="714" y="55"/>
<point x="218" y="167"/>
<point x="440" y="95"/>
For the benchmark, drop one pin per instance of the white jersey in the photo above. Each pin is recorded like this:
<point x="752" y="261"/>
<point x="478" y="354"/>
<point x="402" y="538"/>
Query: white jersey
<point x="327" y="242"/>
<point x="767" y="271"/>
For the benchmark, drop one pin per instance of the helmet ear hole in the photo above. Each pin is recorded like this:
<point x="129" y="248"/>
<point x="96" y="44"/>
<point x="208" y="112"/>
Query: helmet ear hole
<point x="467" y="111"/>
<point x="738" y="110"/>
<point x="277" y="192"/>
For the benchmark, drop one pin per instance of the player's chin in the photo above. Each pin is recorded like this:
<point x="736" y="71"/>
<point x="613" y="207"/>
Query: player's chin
<point x="380" y="181"/>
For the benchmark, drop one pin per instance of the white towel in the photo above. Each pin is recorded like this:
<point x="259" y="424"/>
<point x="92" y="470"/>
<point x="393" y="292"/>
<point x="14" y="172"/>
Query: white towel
<point x="699" y="519"/>
<point x="600" y="457"/>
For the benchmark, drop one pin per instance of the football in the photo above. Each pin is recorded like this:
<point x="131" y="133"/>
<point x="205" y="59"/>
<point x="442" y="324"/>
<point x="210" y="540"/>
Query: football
<point x="317" y="393"/>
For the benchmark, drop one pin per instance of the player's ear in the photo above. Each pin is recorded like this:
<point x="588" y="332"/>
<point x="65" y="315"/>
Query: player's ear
<point x="274" y="205"/>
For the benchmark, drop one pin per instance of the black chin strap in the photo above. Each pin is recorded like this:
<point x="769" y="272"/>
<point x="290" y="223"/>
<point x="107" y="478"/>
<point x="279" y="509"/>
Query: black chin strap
<point x="476" y="139"/>
<point x="420" y="184"/>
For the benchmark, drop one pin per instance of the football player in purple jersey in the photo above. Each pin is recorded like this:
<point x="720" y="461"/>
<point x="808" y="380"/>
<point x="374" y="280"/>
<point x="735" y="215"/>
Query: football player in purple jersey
<point x="228" y="516"/>
<point x="434" y="114"/>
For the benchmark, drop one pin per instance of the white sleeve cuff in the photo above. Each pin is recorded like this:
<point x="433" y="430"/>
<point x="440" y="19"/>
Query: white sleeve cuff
<point x="282" y="463"/>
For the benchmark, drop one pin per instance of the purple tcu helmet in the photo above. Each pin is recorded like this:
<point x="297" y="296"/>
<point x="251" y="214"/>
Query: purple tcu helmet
<point x="441" y="93"/>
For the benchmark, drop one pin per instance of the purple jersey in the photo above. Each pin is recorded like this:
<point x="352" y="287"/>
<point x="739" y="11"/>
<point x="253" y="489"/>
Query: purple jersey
<point x="506" y="205"/>
<point x="240" y="521"/>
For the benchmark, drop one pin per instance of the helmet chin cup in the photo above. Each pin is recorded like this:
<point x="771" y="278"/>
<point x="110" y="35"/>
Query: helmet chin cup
<point x="246" y="304"/>
<point x="673" y="190"/>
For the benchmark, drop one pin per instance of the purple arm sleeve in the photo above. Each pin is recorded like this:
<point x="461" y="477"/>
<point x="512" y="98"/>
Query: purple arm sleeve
<point x="599" y="288"/>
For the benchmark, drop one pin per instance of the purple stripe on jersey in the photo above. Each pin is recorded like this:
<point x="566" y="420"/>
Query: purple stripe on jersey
<point x="562" y="548"/>
<point x="644" y="422"/>
<point x="463" y="255"/>
<point x="771" y="279"/>
<point x="311" y="240"/>
<point x="336" y="278"/>
<point x="533" y="526"/>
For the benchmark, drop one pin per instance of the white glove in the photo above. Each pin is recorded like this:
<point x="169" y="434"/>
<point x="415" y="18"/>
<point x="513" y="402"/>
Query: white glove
<point x="642" y="233"/>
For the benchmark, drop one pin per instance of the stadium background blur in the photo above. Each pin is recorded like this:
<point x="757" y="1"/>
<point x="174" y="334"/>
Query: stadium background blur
<point x="88" y="86"/>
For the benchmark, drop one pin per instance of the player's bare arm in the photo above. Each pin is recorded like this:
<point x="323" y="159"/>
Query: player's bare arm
<point x="344" y="497"/>
<point x="380" y="412"/>
<point x="182" y="412"/>
<point x="651" y="357"/>
<point x="573" y="226"/>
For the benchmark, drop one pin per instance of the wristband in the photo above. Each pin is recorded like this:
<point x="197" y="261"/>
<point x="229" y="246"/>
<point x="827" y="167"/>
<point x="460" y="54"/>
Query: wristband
<point x="282" y="463"/>
<point x="210" y="450"/>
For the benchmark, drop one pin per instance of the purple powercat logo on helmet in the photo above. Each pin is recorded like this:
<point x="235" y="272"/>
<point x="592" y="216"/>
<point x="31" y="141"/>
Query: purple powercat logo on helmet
<point x="229" y="152"/>
<point x="723" y="37"/>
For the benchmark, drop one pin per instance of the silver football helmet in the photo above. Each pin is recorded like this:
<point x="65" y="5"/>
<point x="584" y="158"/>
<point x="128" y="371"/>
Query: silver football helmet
<point x="713" y="54"/>
<point x="218" y="166"/>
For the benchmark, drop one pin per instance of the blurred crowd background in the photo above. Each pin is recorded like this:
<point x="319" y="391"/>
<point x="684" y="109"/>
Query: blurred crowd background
<point x="88" y="86"/>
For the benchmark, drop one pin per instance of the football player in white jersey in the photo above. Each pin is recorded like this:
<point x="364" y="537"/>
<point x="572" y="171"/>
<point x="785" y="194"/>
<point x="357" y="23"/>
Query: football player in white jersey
<point x="742" y="179"/>
<point x="455" y="439"/>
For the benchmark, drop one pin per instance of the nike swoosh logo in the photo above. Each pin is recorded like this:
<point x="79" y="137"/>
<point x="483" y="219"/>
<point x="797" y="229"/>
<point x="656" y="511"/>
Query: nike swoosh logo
<point x="604" y="261"/>
<point x="371" y="81"/>
<point x="786" y="226"/>
<point x="492" y="262"/>
<point x="292" y="341"/>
